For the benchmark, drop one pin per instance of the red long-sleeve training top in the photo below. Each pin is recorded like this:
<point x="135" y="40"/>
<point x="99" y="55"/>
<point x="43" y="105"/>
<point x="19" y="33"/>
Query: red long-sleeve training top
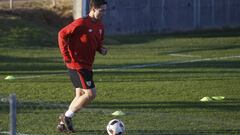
<point x="79" y="41"/>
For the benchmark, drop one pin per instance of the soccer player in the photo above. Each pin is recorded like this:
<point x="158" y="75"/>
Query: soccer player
<point x="78" y="43"/>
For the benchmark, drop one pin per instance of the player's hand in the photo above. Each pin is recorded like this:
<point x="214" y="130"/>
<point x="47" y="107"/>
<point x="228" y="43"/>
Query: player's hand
<point x="103" y="51"/>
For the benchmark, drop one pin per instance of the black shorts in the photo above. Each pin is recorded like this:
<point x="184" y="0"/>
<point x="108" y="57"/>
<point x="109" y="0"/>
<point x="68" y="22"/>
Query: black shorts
<point x="81" y="78"/>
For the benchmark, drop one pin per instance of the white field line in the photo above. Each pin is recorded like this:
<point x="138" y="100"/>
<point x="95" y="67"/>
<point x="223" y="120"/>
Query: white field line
<point x="34" y="76"/>
<point x="140" y="66"/>
<point x="28" y="77"/>
<point x="185" y="55"/>
<point x="6" y="132"/>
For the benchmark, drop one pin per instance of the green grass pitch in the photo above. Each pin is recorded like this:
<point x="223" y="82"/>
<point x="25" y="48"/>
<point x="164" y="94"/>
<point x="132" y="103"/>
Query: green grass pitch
<point x="156" y="80"/>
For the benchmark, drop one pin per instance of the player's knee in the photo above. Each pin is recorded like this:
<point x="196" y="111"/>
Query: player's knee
<point x="91" y="93"/>
<point x="79" y="92"/>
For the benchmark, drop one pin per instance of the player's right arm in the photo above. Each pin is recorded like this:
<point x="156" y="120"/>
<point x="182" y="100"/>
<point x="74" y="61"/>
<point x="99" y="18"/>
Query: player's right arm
<point x="64" y="38"/>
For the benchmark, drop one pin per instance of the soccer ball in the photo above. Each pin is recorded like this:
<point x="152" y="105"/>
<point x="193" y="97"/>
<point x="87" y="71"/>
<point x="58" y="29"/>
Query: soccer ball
<point x="115" y="127"/>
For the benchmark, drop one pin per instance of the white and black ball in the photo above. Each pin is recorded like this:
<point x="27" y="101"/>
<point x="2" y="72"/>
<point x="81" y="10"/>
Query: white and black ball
<point x="115" y="127"/>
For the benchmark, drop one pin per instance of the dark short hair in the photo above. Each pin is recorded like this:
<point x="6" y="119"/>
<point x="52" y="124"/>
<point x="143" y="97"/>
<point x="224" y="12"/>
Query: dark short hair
<point x="97" y="3"/>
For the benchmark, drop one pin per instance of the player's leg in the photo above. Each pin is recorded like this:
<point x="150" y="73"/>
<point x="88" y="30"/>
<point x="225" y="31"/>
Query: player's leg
<point x="85" y="92"/>
<point x="85" y="89"/>
<point x="82" y="99"/>
<point x="66" y="119"/>
<point x="78" y="92"/>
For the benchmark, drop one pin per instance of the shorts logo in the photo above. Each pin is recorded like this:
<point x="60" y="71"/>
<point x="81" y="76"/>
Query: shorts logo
<point x="88" y="83"/>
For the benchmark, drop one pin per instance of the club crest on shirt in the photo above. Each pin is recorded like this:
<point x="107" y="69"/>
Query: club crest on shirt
<point x="90" y="30"/>
<point x="88" y="83"/>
